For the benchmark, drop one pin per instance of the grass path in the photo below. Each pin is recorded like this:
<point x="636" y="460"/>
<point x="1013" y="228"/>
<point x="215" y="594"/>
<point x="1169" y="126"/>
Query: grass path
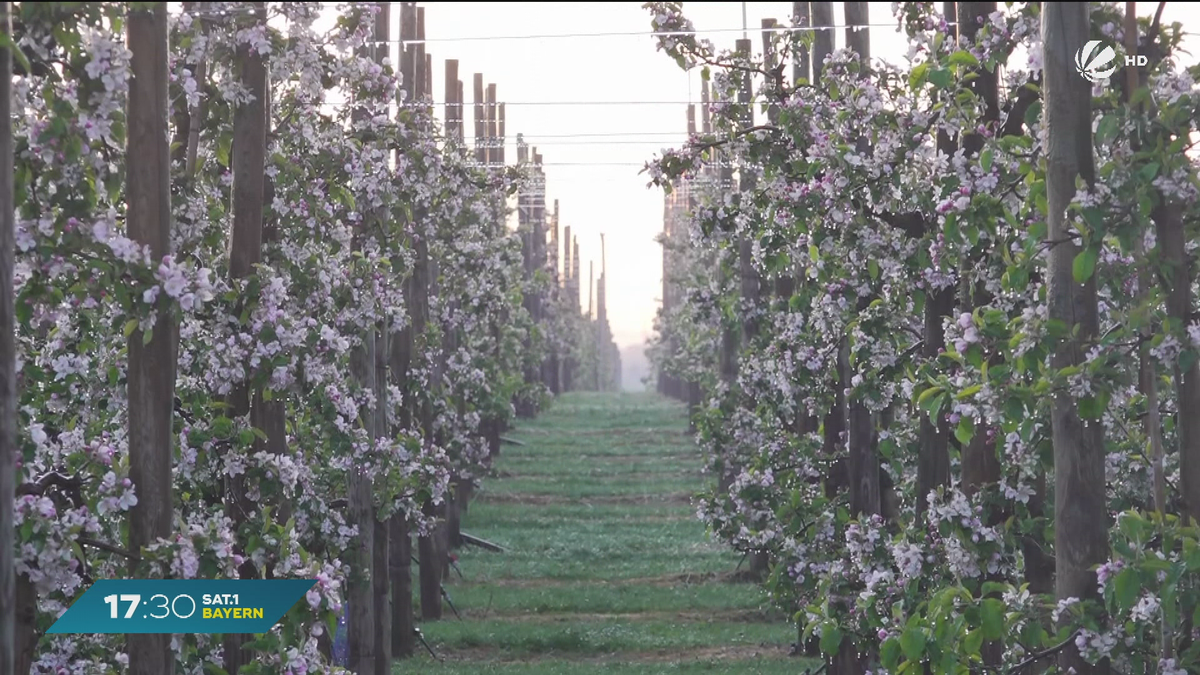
<point x="607" y="569"/>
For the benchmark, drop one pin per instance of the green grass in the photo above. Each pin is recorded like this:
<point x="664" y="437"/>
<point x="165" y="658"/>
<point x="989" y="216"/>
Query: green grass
<point x="485" y="600"/>
<point x="758" y="666"/>
<point x="607" y="569"/>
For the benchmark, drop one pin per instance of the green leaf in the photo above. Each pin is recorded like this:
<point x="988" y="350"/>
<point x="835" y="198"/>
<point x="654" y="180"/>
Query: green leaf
<point x="925" y="395"/>
<point x="975" y="355"/>
<point x="1148" y="172"/>
<point x="985" y="160"/>
<point x="6" y="42"/>
<point x="889" y="653"/>
<point x="991" y="619"/>
<point x="873" y="268"/>
<point x="1033" y="114"/>
<point x="1126" y="589"/>
<point x="917" y="77"/>
<point x="224" y="143"/>
<point x="912" y="643"/>
<point x="130" y="326"/>
<point x="991" y="587"/>
<point x="1085" y="264"/>
<point x="936" y="407"/>
<point x="941" y="78"/>
<point x="831" y="638"/>
<point x="963" y="58"/>
<point x="147" y="336"/>
<point x="973" y="642"/>
<point x="1092" y="407"/>
<point x="1156" y="564"/>
<point x="222" y="427"/>
<point x="969" y="391"/>
<point x="1107" y="129"/>
<point x="965" y="430"/>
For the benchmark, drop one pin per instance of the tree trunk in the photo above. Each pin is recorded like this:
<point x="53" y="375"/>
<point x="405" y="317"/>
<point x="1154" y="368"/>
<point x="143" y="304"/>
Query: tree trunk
<point x="380" y="586"/>
<point x="454" y="512"/>
<point x="1177" y="284"/>
<point x="933" y="464"/>
<point x="980" y="465"/>
<point x="380" y="571"/>
<point x="249" y="152"/>
<point x="822" y="16"/>
<point x="360" y="598"/>
<point x="430" y="567"/>
<point x="400" y="571"/>
<point x="1080" y="511"/>
<point x="151" y="371"/>
<point x="430" y="571"/>
<point x="8" y="361"/>
<point x="399" y="563"/>
<point x="26" y="634"/>
<point x="862" y="457"/>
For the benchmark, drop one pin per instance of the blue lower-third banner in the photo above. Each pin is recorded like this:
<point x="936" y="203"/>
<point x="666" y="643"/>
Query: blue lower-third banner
<point x="182" y="606"/>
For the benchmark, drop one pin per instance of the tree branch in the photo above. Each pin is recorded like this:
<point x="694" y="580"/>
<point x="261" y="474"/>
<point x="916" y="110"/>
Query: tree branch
<point x="1014" y="124"/>
<point x="1038" y="656"/>
<point x="912" y="223"/>
<point x="52" y="479"/>
<point x="95" y="543"/>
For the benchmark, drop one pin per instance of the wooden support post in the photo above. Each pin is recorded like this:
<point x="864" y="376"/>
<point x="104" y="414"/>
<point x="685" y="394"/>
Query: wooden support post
<point x="566" y="253"/>
<point x="694" y="392"/>
<point x="453" y="103"/>
<point x="381" y="629"/>
<point x="774" y="83"/>
<point x="1081" y="516"/>
<point x="751" y="283"/>
<point x="429" y="78"/>
<point x="245" y="251"/>
<point x="538" y="217"/>
<point x="822" y="18"/>
<point x="455" y="500"/>
<point x="152" y="364"/>
<point x="554" y="263"/>
<point x="801" y="68"/>
<point x="418" y="58"/>
<point x="401" y="345"/>
<point x="8" y="371"/>
<point x="555" y="366"/>
<point x="576" y="296"/>
<point x="408" y="33"/>
<point x="499" y="139"/>
<point x="462" y="113"/>
<point x="493" y="157"/>
<point x="862" y="458"/>
<point x="431" y="548"/>
<point x="481" y="128"/>
<point x="603" y="369"/>
<point x="567" y="306"/>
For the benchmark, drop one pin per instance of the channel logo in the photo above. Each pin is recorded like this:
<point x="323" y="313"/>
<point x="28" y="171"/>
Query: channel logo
<point x="1095" y="61"/>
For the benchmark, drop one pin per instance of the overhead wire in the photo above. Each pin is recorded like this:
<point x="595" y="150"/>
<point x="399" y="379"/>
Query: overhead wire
<point x="608" y="34"/>
<point x="571" y="36"/>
